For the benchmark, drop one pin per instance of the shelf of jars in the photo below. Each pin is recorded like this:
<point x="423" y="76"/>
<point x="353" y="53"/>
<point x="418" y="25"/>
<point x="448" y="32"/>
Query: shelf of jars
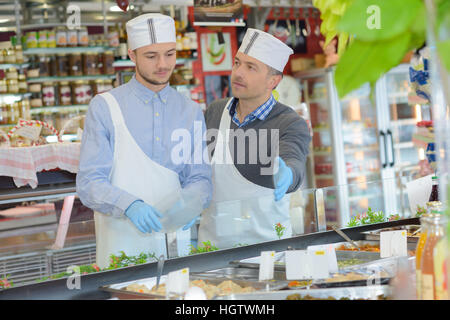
<point x="130" y="64"/>
<point x="5" y="66"/>
<point x="59" y="108"/>
<point x="70" y="78"/>
<point x="66" y="50"/>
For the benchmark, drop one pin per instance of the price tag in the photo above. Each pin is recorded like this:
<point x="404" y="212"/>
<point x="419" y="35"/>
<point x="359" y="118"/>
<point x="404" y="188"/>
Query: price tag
<point x="298" y="264"/>
<point x="319" y="264"/>
<point x="178" y="281"/>
<point x="30" y="132"/>
<point x="266" y="265"/>
<point x="331" y="256"/>
<point x="393" y="244"/>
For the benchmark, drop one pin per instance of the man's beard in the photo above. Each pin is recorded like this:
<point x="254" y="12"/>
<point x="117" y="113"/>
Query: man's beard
<point x="151" y="81"/>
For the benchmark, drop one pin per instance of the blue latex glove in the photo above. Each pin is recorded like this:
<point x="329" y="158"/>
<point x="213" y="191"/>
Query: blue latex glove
<point x="190" y="224"/>
<point x="282" y="180"/>
<point x="144" y="216"/>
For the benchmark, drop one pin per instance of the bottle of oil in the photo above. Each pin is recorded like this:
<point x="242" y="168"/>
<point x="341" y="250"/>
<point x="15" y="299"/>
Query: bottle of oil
<point x="434" y="196"/>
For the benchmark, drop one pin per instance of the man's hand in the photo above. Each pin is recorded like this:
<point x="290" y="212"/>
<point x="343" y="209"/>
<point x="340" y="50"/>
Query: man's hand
<point x="282" y="180"/>
<point x="144" y="216"/>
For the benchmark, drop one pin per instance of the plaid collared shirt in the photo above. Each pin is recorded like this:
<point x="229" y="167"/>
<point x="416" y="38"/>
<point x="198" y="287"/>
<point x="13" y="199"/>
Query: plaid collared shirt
<point x="260" y="113"/>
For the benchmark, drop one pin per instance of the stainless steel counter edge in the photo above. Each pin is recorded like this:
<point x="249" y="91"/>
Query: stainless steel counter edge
<point x="89" y="284"/>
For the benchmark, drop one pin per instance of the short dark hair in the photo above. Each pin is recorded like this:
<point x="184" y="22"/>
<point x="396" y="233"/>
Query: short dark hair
<point x="274" y="72"/>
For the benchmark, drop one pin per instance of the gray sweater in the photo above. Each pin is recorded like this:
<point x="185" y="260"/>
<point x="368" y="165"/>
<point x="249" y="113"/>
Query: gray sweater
<point x="293" y="143"/>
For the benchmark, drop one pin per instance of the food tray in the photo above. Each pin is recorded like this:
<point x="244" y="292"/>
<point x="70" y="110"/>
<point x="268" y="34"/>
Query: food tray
<point x="375" y="234"/>
<point x="118" y="290"/>
<point x="410" y="245"/>
<point x="232" y="273"/>
<point x="371" y="292"/>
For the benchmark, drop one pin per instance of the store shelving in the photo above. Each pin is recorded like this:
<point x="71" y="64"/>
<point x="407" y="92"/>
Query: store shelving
<point x="70" y="78"/>
<point x="54" y="109"/>
<point x="4" y="66"/>
<point x="130" y="64"/>
<point x="66" y="50"/>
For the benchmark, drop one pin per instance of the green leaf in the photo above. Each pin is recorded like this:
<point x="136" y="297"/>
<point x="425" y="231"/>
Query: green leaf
<point x="443" y="48"/>
<point x="379" y="19"/>
<point x="366" y="61"/>
<point x="342" y="43"/>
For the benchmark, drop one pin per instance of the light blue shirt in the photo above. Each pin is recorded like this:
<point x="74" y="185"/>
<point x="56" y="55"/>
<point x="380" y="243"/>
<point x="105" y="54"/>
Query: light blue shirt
<point x="151" y="118"/>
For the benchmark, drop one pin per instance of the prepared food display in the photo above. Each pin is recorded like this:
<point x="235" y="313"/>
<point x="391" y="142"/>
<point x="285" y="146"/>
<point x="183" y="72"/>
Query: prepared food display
<point x="224" y="288"/>
<point x="298" y="296"/>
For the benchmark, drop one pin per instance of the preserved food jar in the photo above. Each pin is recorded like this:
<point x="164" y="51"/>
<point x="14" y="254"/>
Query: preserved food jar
<point x="23" y="86"/>
<point x="3" y="86"/>
<point x="19" y="54"/>
<point x="51" y="38"/>
<point x="13" y="86"/>
<point x="79" y="92"/>
<point x="83" y="38"/>
<point x="44" y="65"/>
<point x="36" y="100"/>
<point x="89" y="63"/>
<point x="62" y="65"/>
<point x="61" y="37"/>
<point x="75" y="64"/>
<point x="42" y="39"/>
<point x="52" y="65"/>
<point x="113" y="36"/>
<point x="24" y="109"/>
<point x="65" y="93"/>
<point x="35" y="87"/>
<point x="107" y="62"/>
<point x="72" y="38"/>
<point x="12" y="74"/>
<point x="10" y="56"/>
<point x="48" y="94"/>
<point x="32" y="39"/>
<point x="3" y="114"/>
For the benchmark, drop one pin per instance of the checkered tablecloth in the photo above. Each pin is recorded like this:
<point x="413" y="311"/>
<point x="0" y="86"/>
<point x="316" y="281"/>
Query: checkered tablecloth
<point x="23" y="163"/>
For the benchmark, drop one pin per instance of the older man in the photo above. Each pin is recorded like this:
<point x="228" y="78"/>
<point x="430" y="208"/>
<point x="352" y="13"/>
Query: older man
<point x="258" y="152"/>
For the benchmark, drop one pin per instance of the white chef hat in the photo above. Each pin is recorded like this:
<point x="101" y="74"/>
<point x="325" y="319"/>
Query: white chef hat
<point x="266" y="48"/>
<point x="149" y="29"/>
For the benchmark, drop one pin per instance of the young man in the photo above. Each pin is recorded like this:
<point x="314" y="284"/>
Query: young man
<point x="126" y="173"/>
<point x="255" y="132"/>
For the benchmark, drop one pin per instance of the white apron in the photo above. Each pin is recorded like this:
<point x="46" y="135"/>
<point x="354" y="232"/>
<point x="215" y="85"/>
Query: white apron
<point x="142" y="177"/>
<point x="241" y="212"/>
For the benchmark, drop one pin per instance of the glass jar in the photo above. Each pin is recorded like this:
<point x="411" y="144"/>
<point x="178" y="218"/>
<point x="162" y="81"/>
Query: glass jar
<point x="19" y="54"/>
<point x="65" y="93"/>
<point x="23" y="85"/>
<point x="13" y="86"/>
<point x="2" y="56"/>
<point x="3" y="86"/>
<point x="12" y="74"/>
<point x="61" y="37"/>
<point x="75" y="63"/>
<point x="97" y="86"/>
<point x="78" y="95"/>
<point x="107" y="62"/>
<point x="35" y="87"/>
<point x="13" y="112"/>
<point x="32" y="39"/>
<point x="62" y="65"/>
<point x="10" y="56"/>
<point x="24" y="109"/>
<point x="87" y="91"/>
<point x="36" y="100"/>
<point x="44" y="65"/>
<point x="83" y="38"/>
<point x="89" y="63"/>
<point x="48" y="94"/>
<point x="107" y="85"/>
<point x="3" y="114"/>
<point x="33" y="69"/>
<point x="42" y="39"/>
<point x="72" y="38"/>
<point x="53" y="67"/>
<point x="113" y="36"/>
<point x="435" y="233"/>
<point x="51" y="38"/>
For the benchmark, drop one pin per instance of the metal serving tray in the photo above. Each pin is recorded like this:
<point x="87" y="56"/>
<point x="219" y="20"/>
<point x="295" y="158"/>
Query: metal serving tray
<point x="118" y="290"/>
<point x="233" y="273"/>
<point x="375" y="234"/>
<point x="371" y="292"/>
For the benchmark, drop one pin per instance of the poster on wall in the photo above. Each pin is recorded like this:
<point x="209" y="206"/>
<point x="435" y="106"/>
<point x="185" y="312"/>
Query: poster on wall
<point x="218" y="11"/>
<point x="216" y="52"/>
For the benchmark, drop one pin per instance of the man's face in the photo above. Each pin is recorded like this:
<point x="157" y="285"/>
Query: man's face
<point x="156" y="62"/>
<point x="250" y="77"/>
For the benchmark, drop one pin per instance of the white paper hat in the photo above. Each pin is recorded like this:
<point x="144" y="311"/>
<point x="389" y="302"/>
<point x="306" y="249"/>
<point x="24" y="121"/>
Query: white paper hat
<point x="266" y="48"/>
<point x="149" y="29"/>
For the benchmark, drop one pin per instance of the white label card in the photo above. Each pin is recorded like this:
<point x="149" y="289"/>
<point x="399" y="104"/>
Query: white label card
<point x="393" y="244"/>
<point x="298" y="265"/>
<point x="331" y="256"/>
<point x="266" y="266"/>
<point x="319" y="264"/>
<point x="31" y="132"/>
<point x="178" y="281"/>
